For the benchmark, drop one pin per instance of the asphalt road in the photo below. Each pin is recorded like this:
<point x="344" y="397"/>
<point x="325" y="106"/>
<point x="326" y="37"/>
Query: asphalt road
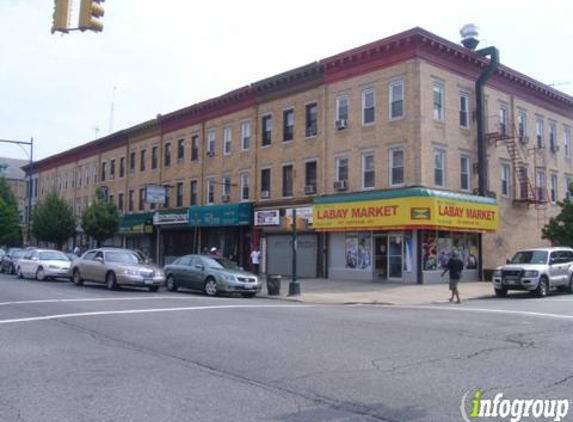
<point x="73" y="354"/>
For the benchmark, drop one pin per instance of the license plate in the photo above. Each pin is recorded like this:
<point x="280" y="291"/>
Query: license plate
<point x="510" y="281"/>
<point x="250" y="286"/>
<point x="148" y="281"/>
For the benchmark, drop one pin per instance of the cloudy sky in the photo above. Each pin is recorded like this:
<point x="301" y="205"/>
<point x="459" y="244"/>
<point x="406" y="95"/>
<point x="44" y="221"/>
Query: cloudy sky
<point x="156" y="56"/>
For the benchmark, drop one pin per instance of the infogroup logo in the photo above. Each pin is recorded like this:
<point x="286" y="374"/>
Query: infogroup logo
<point x="513" y="410"/>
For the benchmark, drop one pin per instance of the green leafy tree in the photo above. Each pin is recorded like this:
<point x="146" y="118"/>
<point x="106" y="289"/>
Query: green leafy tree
<point x="53" y="220"/>
<point x="559" y="230"/>
<point x="101" y="219"/>
<point x="10" y="229"/>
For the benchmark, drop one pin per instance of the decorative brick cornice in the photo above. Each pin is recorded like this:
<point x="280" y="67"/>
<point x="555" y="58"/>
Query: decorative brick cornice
<point x="289" y="83"/>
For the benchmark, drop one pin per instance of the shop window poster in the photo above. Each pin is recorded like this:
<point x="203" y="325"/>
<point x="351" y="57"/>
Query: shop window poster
<point x="357" y="251"/>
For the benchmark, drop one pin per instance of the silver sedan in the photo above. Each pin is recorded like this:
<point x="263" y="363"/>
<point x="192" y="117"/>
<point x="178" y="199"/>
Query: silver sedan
<point x="43" y="264"/>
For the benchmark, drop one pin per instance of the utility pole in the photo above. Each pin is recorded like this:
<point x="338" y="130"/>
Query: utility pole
<point x="294" y="286"/>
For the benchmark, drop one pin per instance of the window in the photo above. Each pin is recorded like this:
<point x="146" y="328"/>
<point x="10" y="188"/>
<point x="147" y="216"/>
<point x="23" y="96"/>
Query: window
<point x="194" y="147"/>
<point x="167" y="157"/>
<point x="110" y="199"/>
<point x="267" y="128"/>
<point x="464" y="110"/>
<point x="87" y="175"/>
<point x="310" y="174"/>
<point x="522" y="125"/>
<point x="342" y="168"/>
<point x="311" y="124"/>
<point x="244" y="178"/>
<point x="503" y="120"/>
<point x="121" y="167"/>
<point x="210" y="191"/>
<point x="396" y="167"/>
<point x="553" y="137"/>
<point x="120" y="201"/>
<point x="79" y="179"/>
<point x="287" y="180"/>
<point x="227" y="185"/>
<point x="540" y="185"/>
<point x="568" y="181"/>
<point x="227" y="140"/>
<point x="567" y="142"/>
<point x="396" y="99"/>
<point x="539" y="133"/>
<point x="211" y="142"/>
<point x="505" y="179"/>
<point x="368" y="171"/>
<point x="154" y="158"/>
<point x="288" y="125"/>
<point x="439" y="167"/>
<point x="103" y="165"/>
<point x="265" y="183"/>
<point x="179" y="193"/>
<point x="341" y="110"/>
<point x="94" y="175"/>
<point x="141" y="199"/>
<point x="112" y="169"/>
<point x="368" y="106"/>
<point x="245" y="135"/>
<point x="465" y="172"/>
<point x="142" y="160"/>
<point x="167" y="202"/>
<point x="438" y="95"/>
<point x="553" y="187"/>
<point x="180" y="150"/>
<point x="132" y="161"/>
<point x="193" y="193"/>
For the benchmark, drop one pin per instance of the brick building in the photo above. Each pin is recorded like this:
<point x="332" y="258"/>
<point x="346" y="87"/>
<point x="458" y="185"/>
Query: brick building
<point x="377" y="148"/>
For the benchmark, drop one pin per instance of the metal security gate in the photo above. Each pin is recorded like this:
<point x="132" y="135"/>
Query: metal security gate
<point x="279" y="255"/>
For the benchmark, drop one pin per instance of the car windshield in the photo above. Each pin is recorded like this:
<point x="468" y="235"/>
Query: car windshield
<point x="530" y="257"/>
<point x="17" y="254"/>
<point x="227" y="263"/>
<point x="122" y="257"/>
<point x="212" y="262"/>
<point x="52" y="256"/>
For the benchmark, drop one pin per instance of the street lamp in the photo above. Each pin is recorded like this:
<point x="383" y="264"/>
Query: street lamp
<point x="29" y="190"/>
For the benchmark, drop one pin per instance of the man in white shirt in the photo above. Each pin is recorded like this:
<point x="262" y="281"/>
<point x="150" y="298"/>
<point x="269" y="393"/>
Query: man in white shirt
<point x="255" y="259"/>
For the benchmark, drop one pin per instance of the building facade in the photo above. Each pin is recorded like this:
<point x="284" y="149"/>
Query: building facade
<point x="11" y="170"/>
<point x="375" y="148"/>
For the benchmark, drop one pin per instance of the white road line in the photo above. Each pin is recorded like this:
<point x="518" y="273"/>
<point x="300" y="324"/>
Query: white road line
<point x="456" y="308"/>
<point x="143" y="311"/>
<point x="102" y="299"/>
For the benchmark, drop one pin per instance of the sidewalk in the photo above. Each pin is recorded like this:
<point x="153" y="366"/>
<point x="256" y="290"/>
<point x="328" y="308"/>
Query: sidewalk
<point x="328" y="291"/>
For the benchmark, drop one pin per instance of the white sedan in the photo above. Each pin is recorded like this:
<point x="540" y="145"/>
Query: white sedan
<point x="43" y="264"/>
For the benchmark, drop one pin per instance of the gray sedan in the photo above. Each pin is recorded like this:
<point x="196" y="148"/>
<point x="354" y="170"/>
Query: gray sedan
<point x="210" y="275"/>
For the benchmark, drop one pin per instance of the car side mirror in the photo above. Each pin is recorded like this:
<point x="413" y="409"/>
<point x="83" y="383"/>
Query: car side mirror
<point x="99" y="259"/>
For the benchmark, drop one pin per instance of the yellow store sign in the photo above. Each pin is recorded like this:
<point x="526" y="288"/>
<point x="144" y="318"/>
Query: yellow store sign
<point x="407" y="212"/>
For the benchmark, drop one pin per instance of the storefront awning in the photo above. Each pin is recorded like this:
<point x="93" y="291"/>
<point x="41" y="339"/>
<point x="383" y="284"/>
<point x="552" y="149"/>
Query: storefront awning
<point x="411" y="208"/>
<point x="221" y="215"/>
<point x="136" y="224"/>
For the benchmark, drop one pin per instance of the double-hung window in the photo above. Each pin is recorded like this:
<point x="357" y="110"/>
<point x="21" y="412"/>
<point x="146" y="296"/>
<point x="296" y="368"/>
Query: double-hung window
<point x="180" y="150"/>
<point x="112" y="169"/>
<point x="142" y="160"/>
<point x="539" y="133"/>
<point x="103" y="169"/>
<point x="265" y="183"/>
<point x="288" y="125"/>
<point x="211" y="142"/>
<point x="226" y="187"/>
<point x="311" y="124"/>
<point x="540" y="185"/>
<point x="210" y="191"/>
<point x="396" y="167"/>
<point x="396" y="99"/>
<point x="522" y="126"/>
<point x="568" y="187"/>
<point x="287" y="180"/>
<point x="227" y="140"/>
<point x="368" y="171"/>
<point x="245" y="135"/>
<point x="341" y="169"/>
<point x="130" y="199"/>
<point x="439" y="167"/>
<point x="121" y="167"/>
<point x="132" y="161"/>
<point x="438" y="101"/>
<point x="79" y="179"/>
<point x="465" y="172"/>
<point x="342" y="112"/>
<point x="141" y="199"/>
<point x="503" y="120"/>
<point x="179" y="195"/>
<point x="368" y="106"/>
<point x="267" y="130"/>
<point x="553" y="187"/>
<point x="553" y="137"/>
<point x="505" y="179"/>
<point x="244" y="183"/>
<point x="464" y="110"/>
<point x="87" y="175"/>
<point x="167" y="156"/>
<point x="567" y="141"/>
<point x="310" y="172"/>
<point x="194" y="147"/>
<point x="154" y="158"/>
<point x="193" y="199"/>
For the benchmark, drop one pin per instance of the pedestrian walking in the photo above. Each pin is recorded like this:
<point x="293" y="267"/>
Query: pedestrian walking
<point x="77" y="250"/>
<point x="455" y="267"/>
<point x="255" y="259"/>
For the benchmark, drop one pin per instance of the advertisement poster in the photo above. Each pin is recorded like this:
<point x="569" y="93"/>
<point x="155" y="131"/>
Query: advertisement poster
<point x="357" y="251"/>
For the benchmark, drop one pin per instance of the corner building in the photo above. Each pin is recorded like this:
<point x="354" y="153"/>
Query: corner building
<point x="375" y="148"/>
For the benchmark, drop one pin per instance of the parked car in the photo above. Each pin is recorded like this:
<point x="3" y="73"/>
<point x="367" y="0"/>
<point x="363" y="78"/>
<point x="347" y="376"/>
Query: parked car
<point x="536" y="270"/>
<point x="211" y="275"/>
<point x="8" y="262"/>
<point x="43" y="264"/>
<point x="116" y="267"/>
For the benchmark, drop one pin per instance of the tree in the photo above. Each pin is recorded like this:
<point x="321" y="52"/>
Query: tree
<point x="53" y="220"/>
<point x="10" y="230"/>
<point x="101" y="219"/>
<point x="559" y="230"/>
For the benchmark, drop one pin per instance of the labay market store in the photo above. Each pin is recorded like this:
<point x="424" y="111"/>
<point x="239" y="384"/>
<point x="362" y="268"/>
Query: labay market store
<point x="403" y="235"/>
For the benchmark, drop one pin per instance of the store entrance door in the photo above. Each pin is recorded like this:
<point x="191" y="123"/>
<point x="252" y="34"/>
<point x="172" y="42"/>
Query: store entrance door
<point x="395" y="256"/>
<point x="381" y="257"/>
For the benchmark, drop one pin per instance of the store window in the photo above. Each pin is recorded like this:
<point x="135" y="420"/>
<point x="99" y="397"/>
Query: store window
<point x="437" y="247"/>
<point x="357" y="250"/>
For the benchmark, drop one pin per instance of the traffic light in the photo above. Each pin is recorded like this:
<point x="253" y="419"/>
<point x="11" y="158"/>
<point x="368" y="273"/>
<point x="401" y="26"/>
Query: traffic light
<point x="62" y="12"/>
<point x="90" y="12"/>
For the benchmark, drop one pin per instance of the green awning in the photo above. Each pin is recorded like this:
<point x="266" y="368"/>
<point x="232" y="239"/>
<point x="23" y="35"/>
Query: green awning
<point x="221" y="215"/>
<point x="140" y="223"/>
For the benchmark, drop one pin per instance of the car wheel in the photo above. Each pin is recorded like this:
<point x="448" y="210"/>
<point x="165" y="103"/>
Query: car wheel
<point x="248" y="294"/>
<point x="40" y="274"/>
<point x="111" y="281"/>
<point x="542" y="288"/>
<point x="19" y="273"/>
<point x="12" y="269"/>
<point x="153" y="289"/>
<point x="77" y="278"/>
<point x="211" y="287"/>
<point x="171" y="284"/>
<point x="569" y="288"/>
<point x="501" y="292"/>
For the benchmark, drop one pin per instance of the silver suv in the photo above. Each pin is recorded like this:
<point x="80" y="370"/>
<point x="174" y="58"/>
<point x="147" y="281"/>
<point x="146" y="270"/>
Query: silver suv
<point x="536" y="270"/>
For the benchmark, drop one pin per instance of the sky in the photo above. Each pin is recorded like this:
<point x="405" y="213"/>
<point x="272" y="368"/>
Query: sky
<point x="157" y="56"/>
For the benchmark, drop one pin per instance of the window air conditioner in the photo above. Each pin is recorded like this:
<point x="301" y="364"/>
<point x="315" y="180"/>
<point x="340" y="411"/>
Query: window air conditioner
<point x="524" y="139"/>
<point x="341" y="124"/>
<point x="310" y="189"/>
<point x="340" y="185"/>
<point x="225" y="198"/>
<point x="265" y="194"/>
<point x="210" y="153"/>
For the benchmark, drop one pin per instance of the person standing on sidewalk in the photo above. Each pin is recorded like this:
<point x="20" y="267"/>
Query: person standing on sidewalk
<point x="455" y="267"/>
<point x="255" y="260"/>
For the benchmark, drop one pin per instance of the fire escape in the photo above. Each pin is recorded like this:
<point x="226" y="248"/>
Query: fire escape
<point x="524" y="192"/>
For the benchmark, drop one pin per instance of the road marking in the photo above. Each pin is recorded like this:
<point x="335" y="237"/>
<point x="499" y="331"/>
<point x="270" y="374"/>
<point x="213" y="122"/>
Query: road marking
<point x="102" y="299"/>
<point x="456" y="308"/>
<point x="144" y="311"/>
